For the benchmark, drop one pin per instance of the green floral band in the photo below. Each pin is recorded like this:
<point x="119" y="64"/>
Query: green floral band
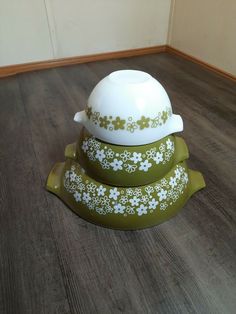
<point x="116" y="123"/>
<point x="127" y="161"/>
<point x="130" y="201"/>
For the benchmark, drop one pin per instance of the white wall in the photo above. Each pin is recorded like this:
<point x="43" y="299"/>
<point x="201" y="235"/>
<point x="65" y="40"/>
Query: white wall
<point x="33" y="30"/>
<point x="24" y="33"/>
<point x="206" y="29"/>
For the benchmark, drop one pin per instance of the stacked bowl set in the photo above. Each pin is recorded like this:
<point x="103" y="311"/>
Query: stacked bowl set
<point x="127" y="170"/>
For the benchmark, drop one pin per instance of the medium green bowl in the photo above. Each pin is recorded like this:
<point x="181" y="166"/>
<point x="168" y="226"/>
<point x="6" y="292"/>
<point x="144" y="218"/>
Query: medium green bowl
<point x="119" y="207"/>
<point x="127" y="165"/>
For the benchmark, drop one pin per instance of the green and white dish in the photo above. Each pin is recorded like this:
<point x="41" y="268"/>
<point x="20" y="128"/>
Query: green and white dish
<point x="129" y="107"/>
<point x="125" y="208"/>
<point x="127" y="165"/>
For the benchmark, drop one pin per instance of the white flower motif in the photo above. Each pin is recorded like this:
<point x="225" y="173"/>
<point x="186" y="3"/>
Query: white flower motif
<point x="164" y="182"/>
<point x="151" y="153"/>
<point x="153" y="204"/>
<point x="91" y="141"/>
<point x="119" y="209"/>
<point x="173" y="182"/>
<point x="96" y="200"/>
<point x="124" y="199"/>
<point x="101" y="190"/>
<point x="137" y="192"/>
<point x="99" y="210"/>
<point x="85" y="146"/>
<point x="109" y="153"/>
<point x="90" y="206"/>
<point x="91" y="155"/>
<point x="144" y="199"/>
<point x="163" y="206"/>
<point x="130" y="210"/>
<point x="86" y="197"/>
<point x="105" y="164"/>
<point x="125" y="155"/>
<point x="72" y="176"/>
<point x="129" y="191"/>
<point x="136" y="157"/>
<point x="130" y="168"/>
<point x="109" y="209"/>
<point x="149" y="189"/>
<point x="157" y="187"/>
<point x="158" y="158"/>
<point x="100" y="154"/>
<point x="67" y="174"/>
<point x="145" y="165"/>
<point x="177" y="174"/>
<point x="77" y="196"/>
<point x="96" y="145"/>
<point x="169" y="144"/>
<point x="162" y="147"/>
<point x="162" y="195"/>
<point x="105" y="200"/>
<point x="114" y="193"/>
<point x="167" y="156"/>
<point x="81" y="186"/>
<point x="175" y="196"/>
<point x="142" y="210"/>
<point x="117" y="164"/>
<point x="134" y="201"/>
<point x="91" y="187"/>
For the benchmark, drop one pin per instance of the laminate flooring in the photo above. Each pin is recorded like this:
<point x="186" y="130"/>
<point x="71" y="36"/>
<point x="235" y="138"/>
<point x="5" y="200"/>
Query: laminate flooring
<point x="52" y="261"/>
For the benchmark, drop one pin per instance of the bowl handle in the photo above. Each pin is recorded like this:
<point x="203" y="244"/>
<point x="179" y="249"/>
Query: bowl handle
<point x="181" y="150"/>
<point x="196" y="183"/>
<point x="70" y="151"/>
<point x="177" y="124"/>
<point x="54" y="179"/>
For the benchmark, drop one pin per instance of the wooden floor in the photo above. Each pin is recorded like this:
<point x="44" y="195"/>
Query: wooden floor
<point x="52" y="261"/>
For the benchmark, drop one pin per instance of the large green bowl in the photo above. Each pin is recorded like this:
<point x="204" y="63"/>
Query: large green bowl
<point x="119" y="207"/>
<point x="127" y="165"/>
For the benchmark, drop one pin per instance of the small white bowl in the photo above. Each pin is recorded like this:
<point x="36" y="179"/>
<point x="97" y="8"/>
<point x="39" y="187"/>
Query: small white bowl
<point x="129" y="107"/>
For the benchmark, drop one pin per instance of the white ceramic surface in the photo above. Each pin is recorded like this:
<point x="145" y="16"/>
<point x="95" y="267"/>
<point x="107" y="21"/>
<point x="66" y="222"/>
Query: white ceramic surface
<point x="129" y="107"/>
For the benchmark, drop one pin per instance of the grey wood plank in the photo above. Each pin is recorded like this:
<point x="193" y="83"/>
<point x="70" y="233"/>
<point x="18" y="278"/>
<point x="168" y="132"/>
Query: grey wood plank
<point x="30" y="277"/>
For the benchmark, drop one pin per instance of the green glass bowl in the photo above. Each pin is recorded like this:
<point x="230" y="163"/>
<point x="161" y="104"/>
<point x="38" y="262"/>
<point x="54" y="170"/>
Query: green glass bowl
<point x="127" y="165"/>
<point x="126" y="208"/>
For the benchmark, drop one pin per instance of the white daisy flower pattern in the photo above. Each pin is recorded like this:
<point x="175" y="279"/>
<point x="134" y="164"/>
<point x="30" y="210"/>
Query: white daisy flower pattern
<point x="153" y="203"/>
<point x="142" y="210"/>
<point x="77" y="196"/>
<point x="114" y="193"/>
<point x="158" y="158"/>
<point x="134" y="201"/>
<point x="117" y="164"/>
<point x="136" y="157"/>
<point x="162" y="194"/>
<point x="86" y="197"/>
<point x="126" y="201"/>
<point x="173" y="182"/>
<point x="100" y="155"/>
<point x="169" y="144"/>
<point x="85" y="146"/>
<point x="119" y="209"/>
<point x="125" y="160"/>
<point x="145" y="165"/>
<point x="101" y="190"/>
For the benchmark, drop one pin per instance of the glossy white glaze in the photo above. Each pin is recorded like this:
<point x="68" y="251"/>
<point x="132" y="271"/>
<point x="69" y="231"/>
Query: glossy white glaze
<point x="131" y="96"/>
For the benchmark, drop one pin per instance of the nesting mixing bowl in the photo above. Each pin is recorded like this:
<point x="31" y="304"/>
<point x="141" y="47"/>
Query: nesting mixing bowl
<point x="127" y="165"/>
<point x="130" y="108"/>
<point x="127" y="169"/>
<point x="123" y="207"/>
